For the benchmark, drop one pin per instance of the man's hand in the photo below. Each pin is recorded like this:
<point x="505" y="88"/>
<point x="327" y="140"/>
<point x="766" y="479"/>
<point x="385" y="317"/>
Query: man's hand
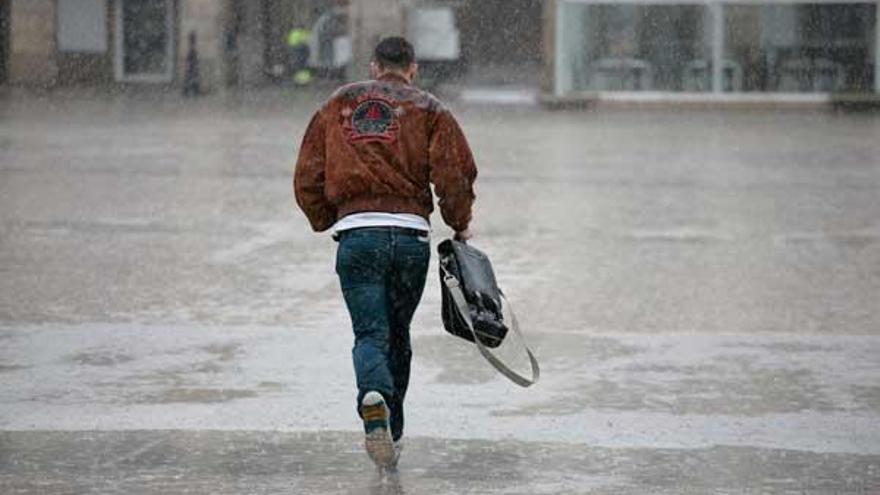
<point x="463" y="235"/>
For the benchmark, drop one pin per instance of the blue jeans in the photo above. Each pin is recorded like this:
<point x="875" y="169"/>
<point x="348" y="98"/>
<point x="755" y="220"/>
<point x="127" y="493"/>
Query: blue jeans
<point x="382" y="272"/>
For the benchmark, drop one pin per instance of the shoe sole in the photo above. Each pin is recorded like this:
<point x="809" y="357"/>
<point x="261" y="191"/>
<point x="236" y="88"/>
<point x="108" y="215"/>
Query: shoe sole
<point x="379" y="447"/>
<point x="378" y="442"/>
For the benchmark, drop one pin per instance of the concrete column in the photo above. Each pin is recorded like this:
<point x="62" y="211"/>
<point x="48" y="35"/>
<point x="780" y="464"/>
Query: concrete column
<point x="563" y="77"/>
<point x="550" y="42"/>
<point x="717" y="10"/>
<point x="207" y="18"/>
<point x="251" y="44"/>
<point x="32" y="47"/>
<point x="369" y="22"/>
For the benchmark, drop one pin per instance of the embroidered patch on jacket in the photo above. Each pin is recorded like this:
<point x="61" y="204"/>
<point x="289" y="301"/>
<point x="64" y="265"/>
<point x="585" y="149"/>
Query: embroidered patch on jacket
<point x="373" y="119"/>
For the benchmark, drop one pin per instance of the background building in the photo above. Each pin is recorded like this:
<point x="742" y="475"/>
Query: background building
<point x="759" y="49"/>
<point x="53" y="42"/>
<point x="243" y="42"/>
<point x="776" y="50"/>
<point x="60" y="42"/>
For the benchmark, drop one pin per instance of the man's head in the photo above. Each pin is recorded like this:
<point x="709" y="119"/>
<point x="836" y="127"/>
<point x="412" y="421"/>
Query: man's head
<point x="394" y="55"/>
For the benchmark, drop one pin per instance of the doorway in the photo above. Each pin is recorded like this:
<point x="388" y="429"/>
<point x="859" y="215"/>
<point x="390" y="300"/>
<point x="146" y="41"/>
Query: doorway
<point x="4" y="40"/>
<point x="145" y="41"/>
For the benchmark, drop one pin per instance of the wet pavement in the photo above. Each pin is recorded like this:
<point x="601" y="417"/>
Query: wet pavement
<point x="235" y="462"/>
<point x="702" y="290"/>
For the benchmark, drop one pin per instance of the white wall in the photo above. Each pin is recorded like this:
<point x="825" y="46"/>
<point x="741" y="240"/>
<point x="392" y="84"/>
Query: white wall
<point x="82" y="26"/>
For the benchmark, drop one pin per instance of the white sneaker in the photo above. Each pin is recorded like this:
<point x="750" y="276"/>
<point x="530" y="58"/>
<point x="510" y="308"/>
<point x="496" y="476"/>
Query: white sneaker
<point x="377" y="438"/>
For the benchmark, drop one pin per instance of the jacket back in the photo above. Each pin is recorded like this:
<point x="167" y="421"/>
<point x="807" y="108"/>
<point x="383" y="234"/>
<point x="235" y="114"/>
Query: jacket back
<point x="378" y="146"/>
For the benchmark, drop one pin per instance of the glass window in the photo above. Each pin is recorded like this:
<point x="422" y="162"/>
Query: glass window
<point x="636" y="47"/>
<point x="802" y="48"/>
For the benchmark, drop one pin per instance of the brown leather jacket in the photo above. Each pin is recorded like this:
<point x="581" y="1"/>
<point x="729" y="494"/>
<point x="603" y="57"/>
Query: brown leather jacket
<point x="378" y="146"/>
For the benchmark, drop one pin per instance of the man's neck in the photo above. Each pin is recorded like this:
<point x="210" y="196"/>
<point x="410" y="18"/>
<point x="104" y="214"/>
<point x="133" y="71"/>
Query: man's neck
<point x="393" y="74"/>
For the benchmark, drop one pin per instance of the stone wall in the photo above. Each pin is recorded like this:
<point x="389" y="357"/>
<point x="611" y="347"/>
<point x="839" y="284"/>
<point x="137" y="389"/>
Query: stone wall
<point x="370" y="21"/>
<point x="32" y="57"/>
<point x="248" y="63"/>
<point x="207" y="19"/>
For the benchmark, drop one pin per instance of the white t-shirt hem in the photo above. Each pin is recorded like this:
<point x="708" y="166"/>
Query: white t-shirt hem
<point x="381" y="219"/>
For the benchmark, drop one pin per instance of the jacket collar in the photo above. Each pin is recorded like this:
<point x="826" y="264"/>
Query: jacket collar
<point x="391" y="76"/>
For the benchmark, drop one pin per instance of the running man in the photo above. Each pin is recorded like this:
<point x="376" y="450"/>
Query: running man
<point x="365" y="170"/>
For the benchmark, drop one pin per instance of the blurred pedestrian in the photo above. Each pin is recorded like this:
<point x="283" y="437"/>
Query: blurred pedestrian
<point x="298" y="45"/>
<point x="365" y="170"/>
<point x="192" y="79"/>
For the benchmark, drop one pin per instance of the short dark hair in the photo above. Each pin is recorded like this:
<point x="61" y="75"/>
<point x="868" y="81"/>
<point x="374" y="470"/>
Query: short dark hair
<point x="394" y="52"/>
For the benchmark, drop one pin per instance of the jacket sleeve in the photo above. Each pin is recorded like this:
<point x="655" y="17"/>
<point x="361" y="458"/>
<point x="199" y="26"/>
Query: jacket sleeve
<point x="309" y="177"/>
<point x="453" y="171"/>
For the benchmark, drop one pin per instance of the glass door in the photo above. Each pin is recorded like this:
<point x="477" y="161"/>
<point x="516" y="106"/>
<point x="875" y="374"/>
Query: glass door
<point x="145" y="41"/>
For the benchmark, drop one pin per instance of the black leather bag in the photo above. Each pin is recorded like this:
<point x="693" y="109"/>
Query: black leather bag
<point x="473" y="306"/>
<point x="473" y="271"/>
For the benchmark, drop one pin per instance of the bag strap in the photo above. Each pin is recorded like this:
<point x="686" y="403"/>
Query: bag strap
<point x="454" y="287"/>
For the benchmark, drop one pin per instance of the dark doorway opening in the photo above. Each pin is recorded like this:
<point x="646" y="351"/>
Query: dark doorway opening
<point x="145" y="47"/>
<point x="4" y="40"/>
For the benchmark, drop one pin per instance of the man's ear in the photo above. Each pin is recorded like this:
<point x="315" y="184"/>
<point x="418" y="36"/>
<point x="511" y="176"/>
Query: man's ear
<point x="413" y="71"/>
<point x="374" y="69"/>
